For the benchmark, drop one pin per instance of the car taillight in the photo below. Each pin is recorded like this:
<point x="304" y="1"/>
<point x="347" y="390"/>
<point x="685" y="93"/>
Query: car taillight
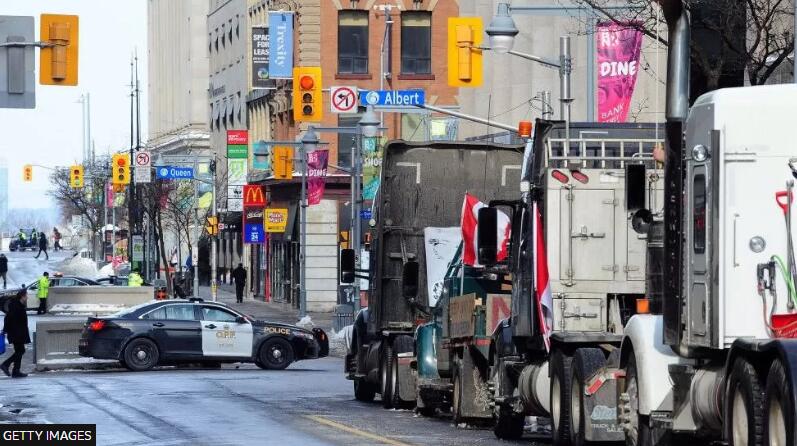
<point x="97" y="325"/>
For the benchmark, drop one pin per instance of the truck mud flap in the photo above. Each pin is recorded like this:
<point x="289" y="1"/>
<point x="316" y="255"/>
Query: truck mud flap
<point x="600" y="407"/>
<point x="475" y="402"/>
<point x="406" y="377"/>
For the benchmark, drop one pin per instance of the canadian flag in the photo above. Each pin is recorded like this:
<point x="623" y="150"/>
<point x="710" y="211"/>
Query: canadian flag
<point x="470" y="223"/>
<point x="543" y="285"/>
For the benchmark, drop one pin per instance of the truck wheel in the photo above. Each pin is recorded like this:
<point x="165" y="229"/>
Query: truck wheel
<point x="779" y="427"/>
<point x="402" y="344"/>
<point x="508" y="424"/>
<point x="744" y="406"/>
<point x="638" y="434"/>
<point x="560" y="398"/>
<point x="586" y="361"/>
<point x="386" y="373"/>
<point x="363" y="390"/>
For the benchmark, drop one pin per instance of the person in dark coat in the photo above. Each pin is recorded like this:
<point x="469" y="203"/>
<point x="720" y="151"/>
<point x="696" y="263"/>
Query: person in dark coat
<point x="3" y="268"/>
<point x="16" y="329"/>
<point x="239" y="277"/>
<point x="42" y="246"/>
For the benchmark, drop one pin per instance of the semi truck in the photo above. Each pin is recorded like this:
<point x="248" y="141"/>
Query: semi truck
<point x="583" y="194"/>
<point x="421" y="193"/>
<point x="714" y="358"/>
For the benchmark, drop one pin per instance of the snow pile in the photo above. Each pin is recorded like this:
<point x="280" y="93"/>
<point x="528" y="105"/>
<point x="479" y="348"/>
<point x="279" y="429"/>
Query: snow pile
<point x="339" y="342"/>
<point x="78" y="266"/>
<point x="86" y="308"/>
<point x="80" y="360"/>
<point x="306" y="323"/>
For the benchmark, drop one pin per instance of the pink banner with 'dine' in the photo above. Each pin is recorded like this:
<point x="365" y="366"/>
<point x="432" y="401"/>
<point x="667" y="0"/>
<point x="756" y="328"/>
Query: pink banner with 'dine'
<point x="316" y="171"/>
<point x="618" y="64"/>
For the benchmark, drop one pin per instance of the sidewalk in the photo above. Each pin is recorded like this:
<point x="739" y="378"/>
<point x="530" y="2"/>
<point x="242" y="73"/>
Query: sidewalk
<point x="268" y="311"/>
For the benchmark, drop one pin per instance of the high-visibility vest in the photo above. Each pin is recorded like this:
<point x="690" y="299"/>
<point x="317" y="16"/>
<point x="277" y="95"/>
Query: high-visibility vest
<point x="44" y="287"/>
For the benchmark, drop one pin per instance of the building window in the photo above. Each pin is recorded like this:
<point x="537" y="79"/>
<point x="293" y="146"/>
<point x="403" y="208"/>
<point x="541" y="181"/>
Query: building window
<point x="346" y="140"/>
<point x="416" y="42"/>
<point x="353" y="42"/>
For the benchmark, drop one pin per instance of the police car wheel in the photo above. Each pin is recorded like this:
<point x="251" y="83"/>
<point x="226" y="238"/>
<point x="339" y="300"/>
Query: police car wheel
<point x="141" y="354"/>
<point x="276" y="354"/>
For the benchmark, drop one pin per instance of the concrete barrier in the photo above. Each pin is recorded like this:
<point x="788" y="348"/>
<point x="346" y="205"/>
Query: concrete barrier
<point x="93" y="299"/>
<point x="56" y="347"/>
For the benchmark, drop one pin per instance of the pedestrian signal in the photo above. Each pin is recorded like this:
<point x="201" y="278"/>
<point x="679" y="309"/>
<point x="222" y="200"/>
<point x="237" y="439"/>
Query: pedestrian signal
<point x="58" y="59"/>
<point x="464" y="52"/>
<point x="76" y="177"/>
<point x="120" y="169"/>
<point x="307" y="101"/>
<point x="213" y="225"/>
<point x="283" y="162"/>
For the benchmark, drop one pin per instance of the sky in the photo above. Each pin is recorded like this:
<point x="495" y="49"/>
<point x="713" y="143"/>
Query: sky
<point x="51" y="134"/>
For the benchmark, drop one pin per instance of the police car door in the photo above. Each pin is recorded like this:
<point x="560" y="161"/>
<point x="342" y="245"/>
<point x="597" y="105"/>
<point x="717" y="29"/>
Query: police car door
<point x="222" y="335"/>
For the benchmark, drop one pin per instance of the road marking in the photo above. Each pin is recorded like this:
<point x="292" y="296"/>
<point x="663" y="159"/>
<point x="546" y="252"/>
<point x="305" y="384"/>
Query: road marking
<point x="327" y="422"/>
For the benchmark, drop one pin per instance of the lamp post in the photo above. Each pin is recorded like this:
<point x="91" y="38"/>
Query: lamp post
<point x="368" y="127"/>
<point x="502" y="32"/>
<point x="309" y="143"/>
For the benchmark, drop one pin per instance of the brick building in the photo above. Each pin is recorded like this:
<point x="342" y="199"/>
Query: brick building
<point x="369" y="44"/>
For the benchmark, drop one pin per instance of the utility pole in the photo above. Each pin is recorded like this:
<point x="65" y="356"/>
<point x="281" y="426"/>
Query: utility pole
<point x="303" y="236"/>
<point x="214" y="238"/>
<point x="131" y="207"/>
<point x="195" y="247"/>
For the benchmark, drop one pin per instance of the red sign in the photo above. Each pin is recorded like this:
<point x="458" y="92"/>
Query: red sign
<point x="237" y="137"/>
<point x="253" y="196"/>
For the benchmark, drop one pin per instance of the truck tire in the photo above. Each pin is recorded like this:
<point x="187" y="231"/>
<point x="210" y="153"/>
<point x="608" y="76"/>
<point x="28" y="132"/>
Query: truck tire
<point x="744" y="406"/>
<point x="363" y="390"/>
<point x="560" y="398"/>
<point x="779" y="425"/>
<point x="402" y="344"/>
<point x="586" y="361"/>
<point x="386" y="372"/>
<point x="639" y="435"/>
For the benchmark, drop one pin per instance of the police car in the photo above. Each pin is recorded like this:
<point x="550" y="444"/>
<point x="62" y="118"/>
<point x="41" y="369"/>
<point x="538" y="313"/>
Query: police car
<point x="190" y="331"/>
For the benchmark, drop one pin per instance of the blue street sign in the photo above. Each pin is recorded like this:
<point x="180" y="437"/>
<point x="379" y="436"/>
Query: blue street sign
<point x="254" y="233"/>
<point x="174" y="173"/>
<point x="393" y="97"/>
<point x="366" y="214"/>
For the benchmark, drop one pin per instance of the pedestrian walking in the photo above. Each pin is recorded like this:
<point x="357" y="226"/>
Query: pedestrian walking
<point x="3" y="268"/>
<point x="16" y="329"/>
<point x="239" y="277"/>
<point x="57" y="240"/>
<point x="43" y="246"/>
<point x="43" y="292"/>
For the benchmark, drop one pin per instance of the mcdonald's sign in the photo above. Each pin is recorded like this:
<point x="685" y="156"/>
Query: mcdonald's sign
<point x="253" y="196"/>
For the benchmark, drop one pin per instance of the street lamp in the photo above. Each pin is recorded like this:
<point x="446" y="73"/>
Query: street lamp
<point x="369" y="123"/>
<point x="309" y="143"/>
<point x="502" y="30"/>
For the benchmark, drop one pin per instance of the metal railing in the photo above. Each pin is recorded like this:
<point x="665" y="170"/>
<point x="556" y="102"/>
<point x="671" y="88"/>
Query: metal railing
<point x="603" y="153"/>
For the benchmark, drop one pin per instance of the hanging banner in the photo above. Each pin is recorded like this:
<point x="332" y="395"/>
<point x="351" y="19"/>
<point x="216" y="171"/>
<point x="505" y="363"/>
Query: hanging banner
<point x="618" y="48"/>
<point x="260" y="50"/>
<point x="280" y="37"/>
<point x="372" y="166"/>
<point x="261" y="155"/>
<point x="316" y="171"/>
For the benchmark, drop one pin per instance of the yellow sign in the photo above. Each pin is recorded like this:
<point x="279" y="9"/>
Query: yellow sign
<point x="464" y="53"/>
<point x="276" y="219"/>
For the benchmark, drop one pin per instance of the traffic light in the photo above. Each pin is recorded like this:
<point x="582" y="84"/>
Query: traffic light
<point x="27" y="173"/>
<point x="58" y="60"/>
<point x="120" y="169"/>
<point x="76" y="177"/>
<point x="282" y="156"/>
<point x="213" y="225"/>
<point x="307" y="101"/>
<point x="464" y="53"/>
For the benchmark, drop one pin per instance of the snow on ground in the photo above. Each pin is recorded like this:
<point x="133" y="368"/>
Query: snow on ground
<point x="63" y="309"/>
<point x="78" y="266"/>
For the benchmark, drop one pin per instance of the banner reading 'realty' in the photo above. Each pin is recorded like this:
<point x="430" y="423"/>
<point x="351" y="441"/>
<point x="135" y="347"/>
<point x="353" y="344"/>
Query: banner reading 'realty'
<point x="618" y="47"/>
<point x="316" y="171"/>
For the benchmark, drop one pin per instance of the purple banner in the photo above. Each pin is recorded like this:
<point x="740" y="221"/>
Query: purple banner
<point x="618" y="48"/>
<point x="316" y="171"/>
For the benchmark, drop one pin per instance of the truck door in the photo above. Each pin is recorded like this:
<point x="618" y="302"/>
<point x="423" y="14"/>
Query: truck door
<point x="588" y="235"/>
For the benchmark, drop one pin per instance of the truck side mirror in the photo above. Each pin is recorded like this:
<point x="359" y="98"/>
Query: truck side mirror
<point x="487" y="236"/>
<point x="635" y="179"/>
<point x="409" y="279"/>
<point x="641" y="221"/>
<point x="347" y="266"/>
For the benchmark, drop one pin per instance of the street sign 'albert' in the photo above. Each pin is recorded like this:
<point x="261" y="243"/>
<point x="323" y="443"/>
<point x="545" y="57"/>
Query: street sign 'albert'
<point x="393" y="97"/>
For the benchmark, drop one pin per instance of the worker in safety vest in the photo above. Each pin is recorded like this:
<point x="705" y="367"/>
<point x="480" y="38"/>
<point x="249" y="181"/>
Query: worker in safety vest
<point x="42" y="292"/>
<point x="134" y="279"/>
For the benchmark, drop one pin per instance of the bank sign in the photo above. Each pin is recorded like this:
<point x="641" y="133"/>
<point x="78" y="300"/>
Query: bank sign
<point x="393" y="98"/>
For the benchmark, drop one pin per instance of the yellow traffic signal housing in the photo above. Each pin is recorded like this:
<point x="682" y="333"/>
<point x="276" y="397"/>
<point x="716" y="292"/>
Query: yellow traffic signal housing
<point x="120" y="169"/>
<point x="27" y="173"/>
<point x="213" y="225"/>
<point x="58" y="62"/>
<point x="283" y="162"/>
<point x="465" y="68"/>
<point x="76" y="177"/>
<point x="307" y="100"/>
